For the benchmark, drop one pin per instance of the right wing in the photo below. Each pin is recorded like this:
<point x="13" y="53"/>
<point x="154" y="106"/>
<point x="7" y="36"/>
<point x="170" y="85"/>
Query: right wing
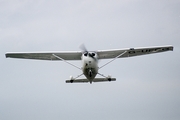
<point x="74" y="55"/>
<point x="130" y="52"/>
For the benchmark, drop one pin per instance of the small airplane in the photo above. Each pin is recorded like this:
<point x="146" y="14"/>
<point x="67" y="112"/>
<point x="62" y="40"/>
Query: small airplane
<point x="90" y="59"/>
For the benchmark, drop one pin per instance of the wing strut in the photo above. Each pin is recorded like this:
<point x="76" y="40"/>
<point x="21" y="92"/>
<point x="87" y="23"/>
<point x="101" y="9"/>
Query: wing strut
<point x="113" y="59"/>
<point x="104" y="75"/>
<point x="66" y="61"/>
<point x="78" y="76"/>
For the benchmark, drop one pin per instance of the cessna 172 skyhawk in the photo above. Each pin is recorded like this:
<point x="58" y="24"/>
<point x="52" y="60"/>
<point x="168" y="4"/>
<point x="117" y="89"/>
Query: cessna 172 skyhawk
<point x="90" y="59"/>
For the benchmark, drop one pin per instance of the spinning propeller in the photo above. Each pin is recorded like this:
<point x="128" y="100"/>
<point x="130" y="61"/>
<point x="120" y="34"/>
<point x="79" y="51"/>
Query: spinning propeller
<point x="86" y="52"/>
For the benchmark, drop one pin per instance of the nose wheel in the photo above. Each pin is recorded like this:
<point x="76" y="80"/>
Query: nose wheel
<point x="90" y="73"/>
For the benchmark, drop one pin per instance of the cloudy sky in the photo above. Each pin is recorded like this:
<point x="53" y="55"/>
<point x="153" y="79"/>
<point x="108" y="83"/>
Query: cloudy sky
<point x="147" y="87"/>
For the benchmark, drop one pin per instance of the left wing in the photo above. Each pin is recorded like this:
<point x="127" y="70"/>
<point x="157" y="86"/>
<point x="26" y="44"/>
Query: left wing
<point x="130" y="52"/>
<point x="74" y="55"/>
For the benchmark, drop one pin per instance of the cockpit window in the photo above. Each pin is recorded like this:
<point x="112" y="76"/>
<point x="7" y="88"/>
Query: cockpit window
<point x="85" y="54"/>
<point x="93" y="54"/>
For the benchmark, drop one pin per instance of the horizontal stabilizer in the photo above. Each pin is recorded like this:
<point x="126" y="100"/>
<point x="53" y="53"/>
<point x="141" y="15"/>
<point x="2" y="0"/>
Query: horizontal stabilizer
<point x="77" y="81"/>
<point x="86" y="80"/>
<point x="104" y="79"/>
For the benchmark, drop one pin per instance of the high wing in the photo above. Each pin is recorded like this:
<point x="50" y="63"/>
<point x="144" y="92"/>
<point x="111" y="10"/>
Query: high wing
<point x="74" y="55"/>
<point x="102" y="54"/>
<point x="130" y="52"/>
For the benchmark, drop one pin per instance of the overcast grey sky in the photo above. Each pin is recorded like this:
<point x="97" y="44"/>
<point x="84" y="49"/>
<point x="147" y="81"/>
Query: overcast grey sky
<point x="147" y="87"/>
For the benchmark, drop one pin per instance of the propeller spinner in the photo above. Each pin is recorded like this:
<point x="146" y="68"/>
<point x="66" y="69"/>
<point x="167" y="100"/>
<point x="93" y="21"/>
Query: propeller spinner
<point x="86" y="52"/>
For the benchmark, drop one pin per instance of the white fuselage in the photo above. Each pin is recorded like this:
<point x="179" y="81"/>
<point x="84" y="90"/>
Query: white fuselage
<point x="90" y="65"/>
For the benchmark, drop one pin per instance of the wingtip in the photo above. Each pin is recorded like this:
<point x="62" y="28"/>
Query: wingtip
<point x="172" y="47"/>
<point x="6" y="55"/>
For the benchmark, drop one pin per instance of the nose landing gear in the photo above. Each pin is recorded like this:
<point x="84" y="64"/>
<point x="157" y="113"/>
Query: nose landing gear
<point x="90" y="73"/>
